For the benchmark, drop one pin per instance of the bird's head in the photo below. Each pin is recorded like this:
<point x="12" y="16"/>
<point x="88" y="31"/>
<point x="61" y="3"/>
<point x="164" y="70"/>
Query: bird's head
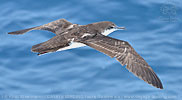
<point x="107" y="27"/>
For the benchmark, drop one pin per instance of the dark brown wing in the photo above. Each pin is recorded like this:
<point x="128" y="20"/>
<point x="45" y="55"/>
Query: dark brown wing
<point x="56" y="27"/>
<point x="126" y="55"/>
<point x="51" y="45"/>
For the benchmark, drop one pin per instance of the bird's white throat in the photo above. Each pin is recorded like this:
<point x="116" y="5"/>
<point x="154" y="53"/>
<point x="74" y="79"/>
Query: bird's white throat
<point x="108" y="31"/>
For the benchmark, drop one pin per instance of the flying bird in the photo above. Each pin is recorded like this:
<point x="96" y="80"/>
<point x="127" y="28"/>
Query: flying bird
<point x="70" y="36"/>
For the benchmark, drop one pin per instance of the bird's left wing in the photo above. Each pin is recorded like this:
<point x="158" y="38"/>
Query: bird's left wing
<point x="56" y="27"/>
<point x="126" y="55"/>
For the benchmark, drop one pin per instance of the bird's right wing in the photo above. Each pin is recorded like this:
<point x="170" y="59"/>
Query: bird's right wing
<point x="56" y="27"/>
<point x="126" y="55"/>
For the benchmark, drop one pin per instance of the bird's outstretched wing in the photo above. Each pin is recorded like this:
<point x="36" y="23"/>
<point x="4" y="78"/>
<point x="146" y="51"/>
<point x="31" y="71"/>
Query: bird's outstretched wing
<point x="126" y="55"/>
<point x="56" y="27"/>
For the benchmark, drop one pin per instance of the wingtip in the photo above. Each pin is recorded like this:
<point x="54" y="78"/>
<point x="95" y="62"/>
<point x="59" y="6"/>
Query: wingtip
<point x="155" y="83"/>
<point x="16" y="33"/>
<point x="161" y="87"/>
<point x="12" y="33"/>
<point x="158" y="86"/>
<point x="19" y="32"/>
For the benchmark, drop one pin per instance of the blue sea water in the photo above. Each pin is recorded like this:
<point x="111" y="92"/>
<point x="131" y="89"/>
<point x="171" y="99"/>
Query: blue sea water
<point x="153" y="28"/>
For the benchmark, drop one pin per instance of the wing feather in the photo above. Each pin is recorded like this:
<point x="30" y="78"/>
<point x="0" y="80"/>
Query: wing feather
<point x="126" y="55"/>
<point x="51" y="45"/>
<point x="56" y="27"/>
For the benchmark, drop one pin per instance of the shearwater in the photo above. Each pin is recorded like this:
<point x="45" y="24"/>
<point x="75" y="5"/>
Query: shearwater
<point x="70" y="36"/>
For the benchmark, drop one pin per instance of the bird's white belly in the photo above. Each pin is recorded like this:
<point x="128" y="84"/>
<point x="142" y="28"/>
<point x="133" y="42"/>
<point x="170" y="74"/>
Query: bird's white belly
<point x="72" y="46"/>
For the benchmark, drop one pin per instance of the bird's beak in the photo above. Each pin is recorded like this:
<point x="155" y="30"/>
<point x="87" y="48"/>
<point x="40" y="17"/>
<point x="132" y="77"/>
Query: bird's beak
<point x="120" y="28"/>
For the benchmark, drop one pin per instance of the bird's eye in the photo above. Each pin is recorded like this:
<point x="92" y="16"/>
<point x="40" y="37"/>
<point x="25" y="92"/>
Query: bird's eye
<point x="110" y="27"/>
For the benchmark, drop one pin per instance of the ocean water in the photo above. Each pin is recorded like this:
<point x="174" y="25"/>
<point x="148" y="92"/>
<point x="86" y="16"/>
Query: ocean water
<point x="153" y="28"/>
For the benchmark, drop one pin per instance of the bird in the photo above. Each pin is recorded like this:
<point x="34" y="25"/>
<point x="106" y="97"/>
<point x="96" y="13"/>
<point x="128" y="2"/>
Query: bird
<point x="94" y="35"/>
